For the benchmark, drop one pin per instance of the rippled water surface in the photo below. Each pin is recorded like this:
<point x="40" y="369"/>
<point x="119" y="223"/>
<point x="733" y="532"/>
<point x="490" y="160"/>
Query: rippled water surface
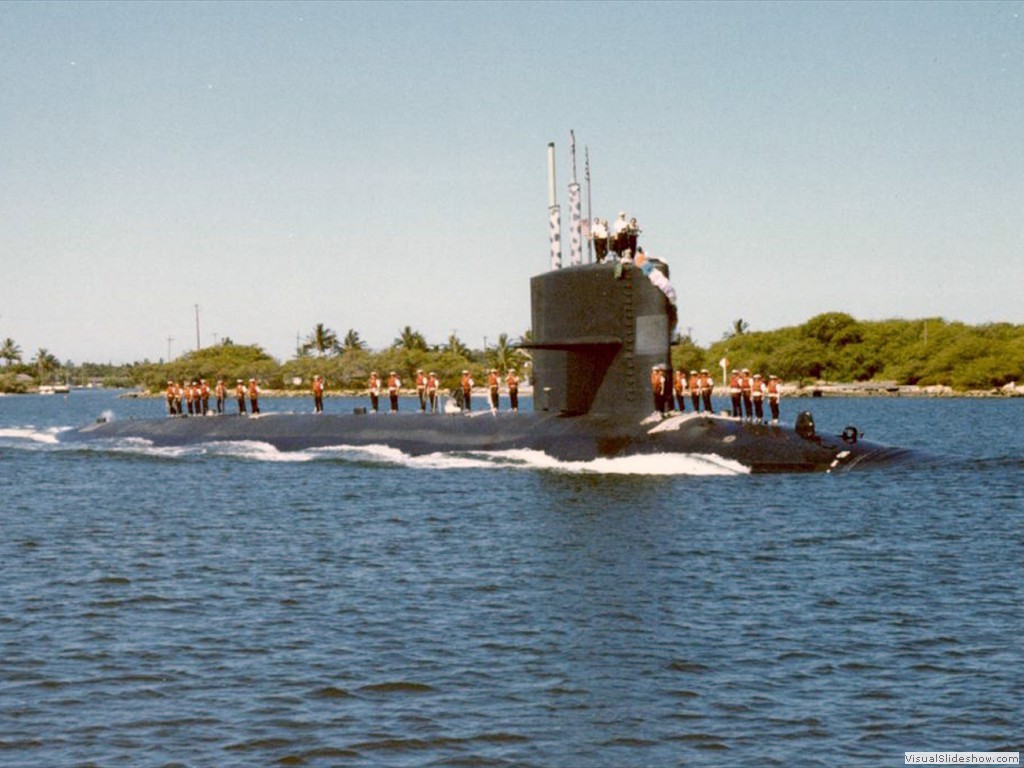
<point x="233" y="606"/>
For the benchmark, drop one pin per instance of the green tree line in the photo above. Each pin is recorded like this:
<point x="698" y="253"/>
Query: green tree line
<point x="836" y="347"/>
<point x="832" y="347"/>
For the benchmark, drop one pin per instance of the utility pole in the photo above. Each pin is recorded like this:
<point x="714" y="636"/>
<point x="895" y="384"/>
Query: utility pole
<point x="197" y="328"/>
<point x="169" y="340"/>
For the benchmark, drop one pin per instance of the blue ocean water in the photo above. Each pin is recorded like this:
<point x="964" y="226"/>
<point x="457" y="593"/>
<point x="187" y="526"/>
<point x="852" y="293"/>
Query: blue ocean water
<point x="233" y="606"/>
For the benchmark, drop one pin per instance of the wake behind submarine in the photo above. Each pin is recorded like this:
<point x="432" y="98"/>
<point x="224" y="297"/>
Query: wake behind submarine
<point x="598" y="330"/>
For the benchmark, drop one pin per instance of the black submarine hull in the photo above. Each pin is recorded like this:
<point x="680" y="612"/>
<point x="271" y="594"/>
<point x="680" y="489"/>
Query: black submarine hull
<point x="758" y="448"/>
<point x="598" y="332"/>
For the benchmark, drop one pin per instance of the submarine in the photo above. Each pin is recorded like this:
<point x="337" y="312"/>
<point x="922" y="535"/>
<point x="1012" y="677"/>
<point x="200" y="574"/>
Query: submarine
<point x="598" y="330"/>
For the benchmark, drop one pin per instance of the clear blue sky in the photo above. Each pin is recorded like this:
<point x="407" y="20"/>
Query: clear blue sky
<point x="376" y="165"/>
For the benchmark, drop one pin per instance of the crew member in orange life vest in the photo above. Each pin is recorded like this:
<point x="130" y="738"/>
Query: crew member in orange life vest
<point x="374" y="387"/>
<point x="393" y="384"/>
<point x="204" y="395"/>
<point x="220" y="391"/>
<point x="736" y="393"/>
<point x="318" y="393"/>
<point x="772" y="390"/>
<point x="695" y="391"/>
<point x="757" y="393"/>
<point x="707" y="386"/>
<point x="512" y="382"/>
<point x="254" y="396"/>
<point x="492" y="388"/>
<point x="432" y="384"/>
<point x="240" y="395"/>
<point x="421" y="389"/>
<point x="746" y="386"/>
<point x="467" y="390"/>
<point x="679" y="386"/>
<point x="171" y="390"/>
<point x="660" y="389"/>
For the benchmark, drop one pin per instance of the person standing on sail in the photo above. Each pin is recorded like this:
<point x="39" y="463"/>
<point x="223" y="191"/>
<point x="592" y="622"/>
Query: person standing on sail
<point x="599" y="233"/>
<point x="618" y="236"/>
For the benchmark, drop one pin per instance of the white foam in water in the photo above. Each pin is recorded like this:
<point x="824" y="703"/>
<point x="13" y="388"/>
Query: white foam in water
<point x="650" y="464"/>
<point x="640" y="464"/>
<point x="255" y="450"/>
<point x="646" y="464"/>
<point x="32" y="434"/>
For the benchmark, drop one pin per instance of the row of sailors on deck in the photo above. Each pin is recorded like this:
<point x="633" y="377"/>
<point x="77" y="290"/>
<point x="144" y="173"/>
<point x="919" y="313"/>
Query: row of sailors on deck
<point x="622" y="236"/>
<point x="428" y="384"/>
<point x="193" y="399"/>
<point x="747" y="392"/>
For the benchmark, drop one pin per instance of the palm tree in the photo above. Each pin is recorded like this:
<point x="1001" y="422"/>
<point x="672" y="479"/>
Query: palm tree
<point x="455" y="346"/>
<point x="739" y="327"/>
<point x="352" y="340"/>
<point x="10" y="352"/>
<point x="322" y="340"/>
<point x="502" y="354"/>
<point x="46" y="362"/>
<point x="410" y="340"/>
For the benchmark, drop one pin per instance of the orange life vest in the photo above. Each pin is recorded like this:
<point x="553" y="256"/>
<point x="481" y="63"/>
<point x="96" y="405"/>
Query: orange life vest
<point x="679" y="382"/>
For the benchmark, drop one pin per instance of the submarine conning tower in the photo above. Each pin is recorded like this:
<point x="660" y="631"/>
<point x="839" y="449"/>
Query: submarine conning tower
<point x="597" y="331"/>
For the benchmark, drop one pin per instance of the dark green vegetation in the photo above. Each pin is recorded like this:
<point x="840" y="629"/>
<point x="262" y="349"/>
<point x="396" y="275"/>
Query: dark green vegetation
<point x="831" y="347"/>
<point x="836" y="347"/>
